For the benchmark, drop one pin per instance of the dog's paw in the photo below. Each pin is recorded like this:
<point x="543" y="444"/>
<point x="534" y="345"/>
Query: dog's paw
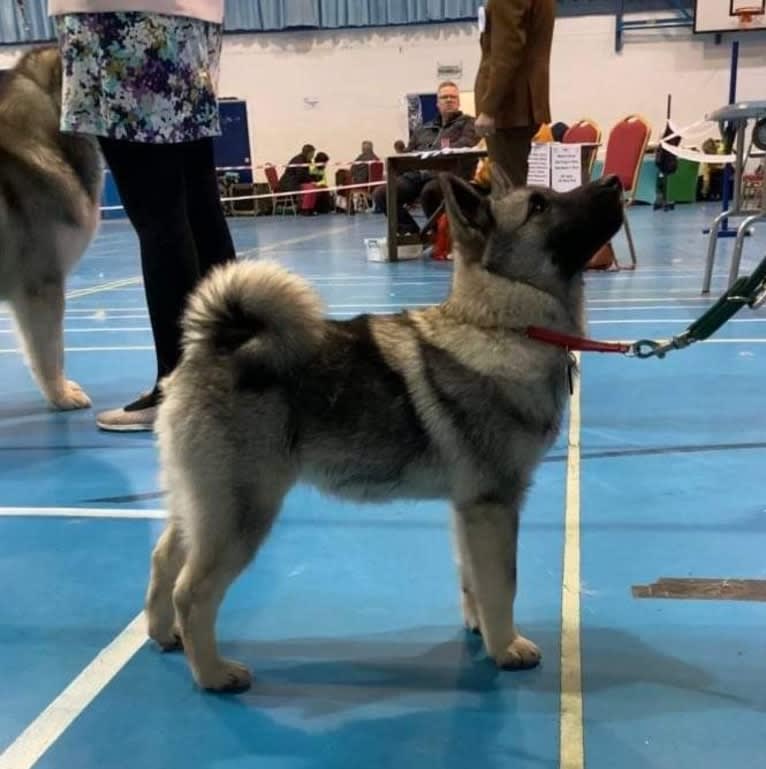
<point x="470" y="612"/>
<point x="169" y="641"/>
<point x="521" y="654"/>
<point x="226" y="676"/>
<point x="162" y="629"/>
<point x="69" y="396"/>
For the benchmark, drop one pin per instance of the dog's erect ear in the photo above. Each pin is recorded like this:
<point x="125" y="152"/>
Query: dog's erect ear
<point x="469" y="213"/>
<point x="501" y="182"/>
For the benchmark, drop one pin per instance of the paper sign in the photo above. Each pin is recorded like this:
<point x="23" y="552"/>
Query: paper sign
<point x="539" y="173"/>
<point x="566" y="167"/>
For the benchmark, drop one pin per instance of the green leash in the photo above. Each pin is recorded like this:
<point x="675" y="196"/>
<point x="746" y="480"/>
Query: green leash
<point x="747" y="290"/>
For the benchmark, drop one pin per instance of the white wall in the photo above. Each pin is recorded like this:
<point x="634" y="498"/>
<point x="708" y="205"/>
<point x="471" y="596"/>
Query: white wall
<point x="589" y="76"/>
<point x="359" y="77"/>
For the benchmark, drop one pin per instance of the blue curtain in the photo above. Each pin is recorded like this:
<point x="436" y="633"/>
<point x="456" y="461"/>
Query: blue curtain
<point x="261" y="15"/>
<point x="267" y="15"/>
<point x="274" y="15"/>
<point x="34" y="24"/>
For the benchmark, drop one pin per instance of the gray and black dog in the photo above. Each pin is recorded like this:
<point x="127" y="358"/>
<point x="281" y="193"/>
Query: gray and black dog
<point x="451" y="401"/>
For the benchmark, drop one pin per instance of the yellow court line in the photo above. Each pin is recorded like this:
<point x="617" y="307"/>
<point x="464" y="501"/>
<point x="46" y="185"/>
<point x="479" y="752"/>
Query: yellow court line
<point x="572" y="751"/>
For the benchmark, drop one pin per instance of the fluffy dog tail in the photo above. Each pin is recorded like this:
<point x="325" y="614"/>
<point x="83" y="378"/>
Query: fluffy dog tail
<point x="257" y="308"/>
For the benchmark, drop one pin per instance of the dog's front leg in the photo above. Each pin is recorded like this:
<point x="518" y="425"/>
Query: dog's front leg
<point x="487" y="531"/>
<point x="39" y="311"/>
<point x="467" y="595"/>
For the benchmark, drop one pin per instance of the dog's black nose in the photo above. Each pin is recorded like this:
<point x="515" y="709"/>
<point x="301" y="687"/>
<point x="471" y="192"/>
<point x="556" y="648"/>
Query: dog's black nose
<point x="613" y="181"/>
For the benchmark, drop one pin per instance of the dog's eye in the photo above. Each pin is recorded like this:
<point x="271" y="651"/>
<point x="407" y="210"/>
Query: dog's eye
<point x="537" y="204"/>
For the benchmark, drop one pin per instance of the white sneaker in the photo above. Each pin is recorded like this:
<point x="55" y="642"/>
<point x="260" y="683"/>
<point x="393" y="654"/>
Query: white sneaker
<point x="122" y="421"/>
<point x="135" y="417"/>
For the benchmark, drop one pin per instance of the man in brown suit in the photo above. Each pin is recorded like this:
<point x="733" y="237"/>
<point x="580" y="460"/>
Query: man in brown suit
<point x="512" y="84"/>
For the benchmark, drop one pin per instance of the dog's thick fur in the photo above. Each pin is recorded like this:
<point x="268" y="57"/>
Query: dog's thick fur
<point x="450" y="401"/>
<point x="50" y="188"/>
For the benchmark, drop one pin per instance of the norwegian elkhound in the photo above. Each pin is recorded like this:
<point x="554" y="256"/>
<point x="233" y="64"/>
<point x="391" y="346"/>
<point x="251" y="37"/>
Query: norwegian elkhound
<point x="50" y="188"/>
<point x="450" y="401"/>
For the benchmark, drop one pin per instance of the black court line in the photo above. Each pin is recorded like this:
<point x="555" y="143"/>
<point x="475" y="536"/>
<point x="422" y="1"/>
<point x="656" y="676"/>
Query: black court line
<point x="698" y="589"/>
<point x="556" y="458"/>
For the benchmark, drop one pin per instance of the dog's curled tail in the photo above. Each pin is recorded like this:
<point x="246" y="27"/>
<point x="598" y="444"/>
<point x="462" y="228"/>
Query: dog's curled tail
<point x="257" y="308"/>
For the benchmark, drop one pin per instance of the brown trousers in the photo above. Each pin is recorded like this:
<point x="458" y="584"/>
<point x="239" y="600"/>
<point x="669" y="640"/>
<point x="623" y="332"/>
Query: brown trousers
<point x="509" y="148"/>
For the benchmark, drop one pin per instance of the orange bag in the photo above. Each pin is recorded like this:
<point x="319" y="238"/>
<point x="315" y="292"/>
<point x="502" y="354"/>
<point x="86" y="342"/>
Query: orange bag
<point x="442" y="244"/>
<point x="603" y="259"/>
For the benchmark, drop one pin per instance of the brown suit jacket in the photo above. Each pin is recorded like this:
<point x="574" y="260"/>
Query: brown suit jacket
<point x="512" y="84"/>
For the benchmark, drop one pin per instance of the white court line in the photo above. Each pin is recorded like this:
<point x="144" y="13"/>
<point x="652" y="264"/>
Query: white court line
<point x="679" y="301"/>
<point x="742" y="340"/>
<point x="102" y="252"/>
<point x="643" y="308"/>
<point x="124" y="241"/>
<point x="690" y="290"/>
<point x="103" y="316"/>
<point x="144" y="348"/>
<point x="79" y="512"/>
<point x="27" y="749"/>
<point x="366" y="306"/>
<point x="637" y="321"/>
<point x="130" y="283"/>
<point x="690" y="303"/>
<point x="130" y="348"/>
<point x="136" y="287"/>
<point x="647" y="275"/>
<point x="571" y="751"/>
<point x="677" y="304"/>
<point x="94" y="330"/>
<point x="674" y="306"/>
<point x="612" y="322"/>
<point x="694" y="298"/>
<point x="111" y="286"/>
<point x="279" y="244"/>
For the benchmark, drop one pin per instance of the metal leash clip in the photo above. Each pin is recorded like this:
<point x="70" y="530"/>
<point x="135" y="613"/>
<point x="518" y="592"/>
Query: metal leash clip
<point x="758" y="297"/>
<point x="648" y="348"/>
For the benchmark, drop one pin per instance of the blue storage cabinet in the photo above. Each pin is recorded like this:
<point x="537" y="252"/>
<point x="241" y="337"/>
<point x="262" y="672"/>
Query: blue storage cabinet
<point x="110" y="197"/>
<point x="232" y="147"/>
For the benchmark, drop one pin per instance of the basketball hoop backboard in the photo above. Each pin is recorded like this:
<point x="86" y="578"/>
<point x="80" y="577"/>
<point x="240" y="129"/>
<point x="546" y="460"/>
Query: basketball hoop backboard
<point x="729" y="15"/>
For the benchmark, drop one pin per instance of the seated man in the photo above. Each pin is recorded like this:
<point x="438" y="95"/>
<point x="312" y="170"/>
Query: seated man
<point x="297" y="170"/>
<point x="360" y="170"/>
<point x="451" y="128"/>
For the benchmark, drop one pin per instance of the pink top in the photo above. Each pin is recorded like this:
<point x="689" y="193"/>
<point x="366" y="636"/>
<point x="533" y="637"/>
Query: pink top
<point x="207" y="10"/>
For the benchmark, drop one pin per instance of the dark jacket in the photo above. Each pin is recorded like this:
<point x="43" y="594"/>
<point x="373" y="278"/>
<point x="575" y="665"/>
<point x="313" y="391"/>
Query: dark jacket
<point x="292" y="178"/>
<point x="459" y="129"/>
<point x="360" y="171"/>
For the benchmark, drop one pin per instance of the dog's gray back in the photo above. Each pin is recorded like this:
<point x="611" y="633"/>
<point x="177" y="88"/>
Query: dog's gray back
<point x="452" y="400"/>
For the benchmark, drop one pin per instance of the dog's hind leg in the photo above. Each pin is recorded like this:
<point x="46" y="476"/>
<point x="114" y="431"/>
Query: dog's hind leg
<point x="167" y="560"/>
<point x="39" y="311"/>
<point x="201" y="586"/>
<point x="221" y="540"/>
<point x="488" y="530"/>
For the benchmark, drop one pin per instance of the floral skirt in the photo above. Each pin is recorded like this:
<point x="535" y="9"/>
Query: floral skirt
<point x="141" y="77"/>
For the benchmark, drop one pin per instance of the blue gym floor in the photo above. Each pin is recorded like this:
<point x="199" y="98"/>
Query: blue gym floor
<point x="350" y="618"/>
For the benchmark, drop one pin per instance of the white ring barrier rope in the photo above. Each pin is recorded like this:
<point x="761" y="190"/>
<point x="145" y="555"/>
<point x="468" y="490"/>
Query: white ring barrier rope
<point x="272" y="195"/>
